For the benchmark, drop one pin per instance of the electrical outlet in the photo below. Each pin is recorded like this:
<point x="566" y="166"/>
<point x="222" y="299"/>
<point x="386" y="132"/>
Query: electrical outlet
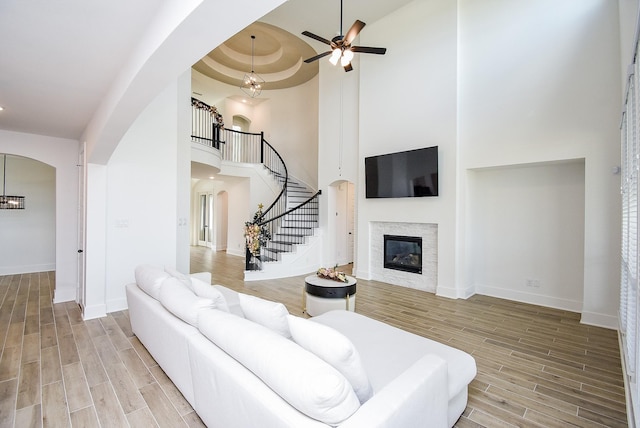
<point x="533" y="283"/>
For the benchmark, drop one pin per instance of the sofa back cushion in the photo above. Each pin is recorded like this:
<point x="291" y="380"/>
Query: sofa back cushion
<point x="199" y="287"/>
<point x="208" y="291"/>
<point x="272" y="315"/>
<point x="336" y="349"/>
<point x="185" y="279"/>
<point x="306" y="382"/>
<point x="149" y="279"/>
<point x="181" y="301"/>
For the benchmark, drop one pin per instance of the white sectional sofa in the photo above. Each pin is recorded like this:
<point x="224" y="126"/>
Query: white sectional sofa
<point x="242" y="361"/>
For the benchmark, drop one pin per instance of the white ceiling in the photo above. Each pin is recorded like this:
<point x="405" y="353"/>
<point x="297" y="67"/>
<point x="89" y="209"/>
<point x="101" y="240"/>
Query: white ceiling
<point x="59" y="59"/>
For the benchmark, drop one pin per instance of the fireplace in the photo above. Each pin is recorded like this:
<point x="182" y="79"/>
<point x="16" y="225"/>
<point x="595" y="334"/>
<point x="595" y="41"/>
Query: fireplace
<point x="403" y="253"/>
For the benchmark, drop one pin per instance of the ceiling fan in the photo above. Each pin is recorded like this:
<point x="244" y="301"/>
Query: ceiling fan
<point x="341" y="48"/>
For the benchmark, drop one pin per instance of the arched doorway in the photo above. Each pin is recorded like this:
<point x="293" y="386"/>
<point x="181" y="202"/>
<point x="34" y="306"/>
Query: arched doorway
<point x="29" y="234"/>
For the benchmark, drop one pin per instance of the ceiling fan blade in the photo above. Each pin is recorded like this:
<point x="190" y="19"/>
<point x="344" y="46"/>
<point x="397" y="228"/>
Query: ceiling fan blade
<point x="348" y="67"/>
<point x="317" y="57"/>
<point x="318" y="38"/>
<point x="366" y="49"/>
<point x="353" y="32"/>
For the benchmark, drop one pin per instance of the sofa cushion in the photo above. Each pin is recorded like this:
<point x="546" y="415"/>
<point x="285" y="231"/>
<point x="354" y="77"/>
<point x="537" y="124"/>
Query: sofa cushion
<point x="306" y="382"/>
<point x="149" y="279"/>
<point x="272" y="315"/>
<point x="185" y="279"/>
<point x="181" y="301"/>
<point x="334" y="348"/>
<point x="232" y="299"/>
<point x="207" y="291"/>
<point x="387" y="351"/>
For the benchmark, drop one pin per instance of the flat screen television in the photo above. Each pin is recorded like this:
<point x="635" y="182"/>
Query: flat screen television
<point x="409" y="174"/>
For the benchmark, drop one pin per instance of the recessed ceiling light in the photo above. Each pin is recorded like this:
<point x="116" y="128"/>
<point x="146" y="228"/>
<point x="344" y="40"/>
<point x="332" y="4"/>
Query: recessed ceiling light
<point x="212" y="178"/>
<point x="1" y="108"/>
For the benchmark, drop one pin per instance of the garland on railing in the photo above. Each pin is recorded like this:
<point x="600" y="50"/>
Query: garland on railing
<point x="213" y="111"/>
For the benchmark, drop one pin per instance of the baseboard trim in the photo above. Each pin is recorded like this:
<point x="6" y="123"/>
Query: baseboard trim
<point x="64" y="293"/>
<point x="17" y="270"/>
<point x="599" y="320"/>
<point x="117" y="305"/>
<point x="94" y="311"/>
<point x="534" y="299"/>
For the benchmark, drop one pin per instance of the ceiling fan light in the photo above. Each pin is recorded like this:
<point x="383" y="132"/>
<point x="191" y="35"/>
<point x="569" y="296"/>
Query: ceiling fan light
<point x="335" y="56"/>
<point x="348" y="54"/>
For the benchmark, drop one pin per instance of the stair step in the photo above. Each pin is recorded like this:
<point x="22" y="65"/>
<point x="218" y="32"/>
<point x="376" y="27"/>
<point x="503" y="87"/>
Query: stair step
<point x="282" y="242"/>
<point x="274" y="250"/>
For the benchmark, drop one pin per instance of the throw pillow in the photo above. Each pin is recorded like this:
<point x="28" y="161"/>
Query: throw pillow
<point x="334" y="348"/>
<point x="305" y="381"/>
<point x="208" y="291"/>
<point x="181" y="301"/>
<point x="149" y="279"/>
<point x="272" y="315"/>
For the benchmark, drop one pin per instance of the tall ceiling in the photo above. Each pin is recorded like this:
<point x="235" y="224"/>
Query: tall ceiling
<point x="277" y="57"/>
<point x="60" y="59"/>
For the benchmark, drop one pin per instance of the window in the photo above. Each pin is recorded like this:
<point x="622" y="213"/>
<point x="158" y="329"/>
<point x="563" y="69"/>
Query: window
<point x="629" y="261"/>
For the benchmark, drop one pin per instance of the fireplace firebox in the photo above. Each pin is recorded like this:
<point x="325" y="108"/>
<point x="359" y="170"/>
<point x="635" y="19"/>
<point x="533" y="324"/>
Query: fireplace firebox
<point x="403" y="253"/>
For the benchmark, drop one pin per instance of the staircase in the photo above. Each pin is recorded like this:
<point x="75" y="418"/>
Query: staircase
<point x="293" y="217"/>
<point x="296" y="225"/>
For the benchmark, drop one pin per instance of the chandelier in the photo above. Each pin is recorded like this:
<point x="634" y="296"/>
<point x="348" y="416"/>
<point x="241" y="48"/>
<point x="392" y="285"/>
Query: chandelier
<point x="252" y="83"/>
<point x="9" y="202"/>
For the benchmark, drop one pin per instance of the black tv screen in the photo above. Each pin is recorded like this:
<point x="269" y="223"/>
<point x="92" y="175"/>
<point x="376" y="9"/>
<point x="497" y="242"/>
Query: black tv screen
<point x="409" y="174"/>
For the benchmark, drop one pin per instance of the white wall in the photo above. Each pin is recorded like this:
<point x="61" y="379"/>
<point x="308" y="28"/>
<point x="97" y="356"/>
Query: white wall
<point x="546" y="88"/>
<point x="29" y="235"/>
<point x="62" y="154"/>
<point x="143" y="182"/>
<point x="416" y="111"/>
<point x="495" y="83"/>
<point x="527" y="233"/>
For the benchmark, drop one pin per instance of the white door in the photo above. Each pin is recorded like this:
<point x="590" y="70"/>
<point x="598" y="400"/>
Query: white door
<point x="351" y="208"/>
<point x="82" y="215"/>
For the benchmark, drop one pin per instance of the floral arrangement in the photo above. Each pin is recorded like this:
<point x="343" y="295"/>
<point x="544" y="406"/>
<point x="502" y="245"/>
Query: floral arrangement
<point x="256" y="235"/>
<point x="332" y="273"/>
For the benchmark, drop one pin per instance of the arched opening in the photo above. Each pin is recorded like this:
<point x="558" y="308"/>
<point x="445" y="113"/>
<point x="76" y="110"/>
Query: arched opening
<point x="28" y="235"/>
<point x="241" y="123"/>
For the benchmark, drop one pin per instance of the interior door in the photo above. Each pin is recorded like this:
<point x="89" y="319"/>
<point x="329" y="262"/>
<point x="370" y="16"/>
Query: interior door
<point x="82" y="216"/>
<point x="351" y="208"/>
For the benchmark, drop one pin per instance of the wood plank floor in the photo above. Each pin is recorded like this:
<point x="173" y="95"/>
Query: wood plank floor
<point x="537" y="367"/>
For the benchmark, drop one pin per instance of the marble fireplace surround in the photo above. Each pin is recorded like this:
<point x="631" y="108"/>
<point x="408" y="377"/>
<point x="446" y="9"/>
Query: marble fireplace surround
<point x="428" y="280"/>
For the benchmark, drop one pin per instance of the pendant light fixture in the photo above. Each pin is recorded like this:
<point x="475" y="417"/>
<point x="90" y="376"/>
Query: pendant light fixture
<point x="9" y="202"/>
<point x="252" y="83"/>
